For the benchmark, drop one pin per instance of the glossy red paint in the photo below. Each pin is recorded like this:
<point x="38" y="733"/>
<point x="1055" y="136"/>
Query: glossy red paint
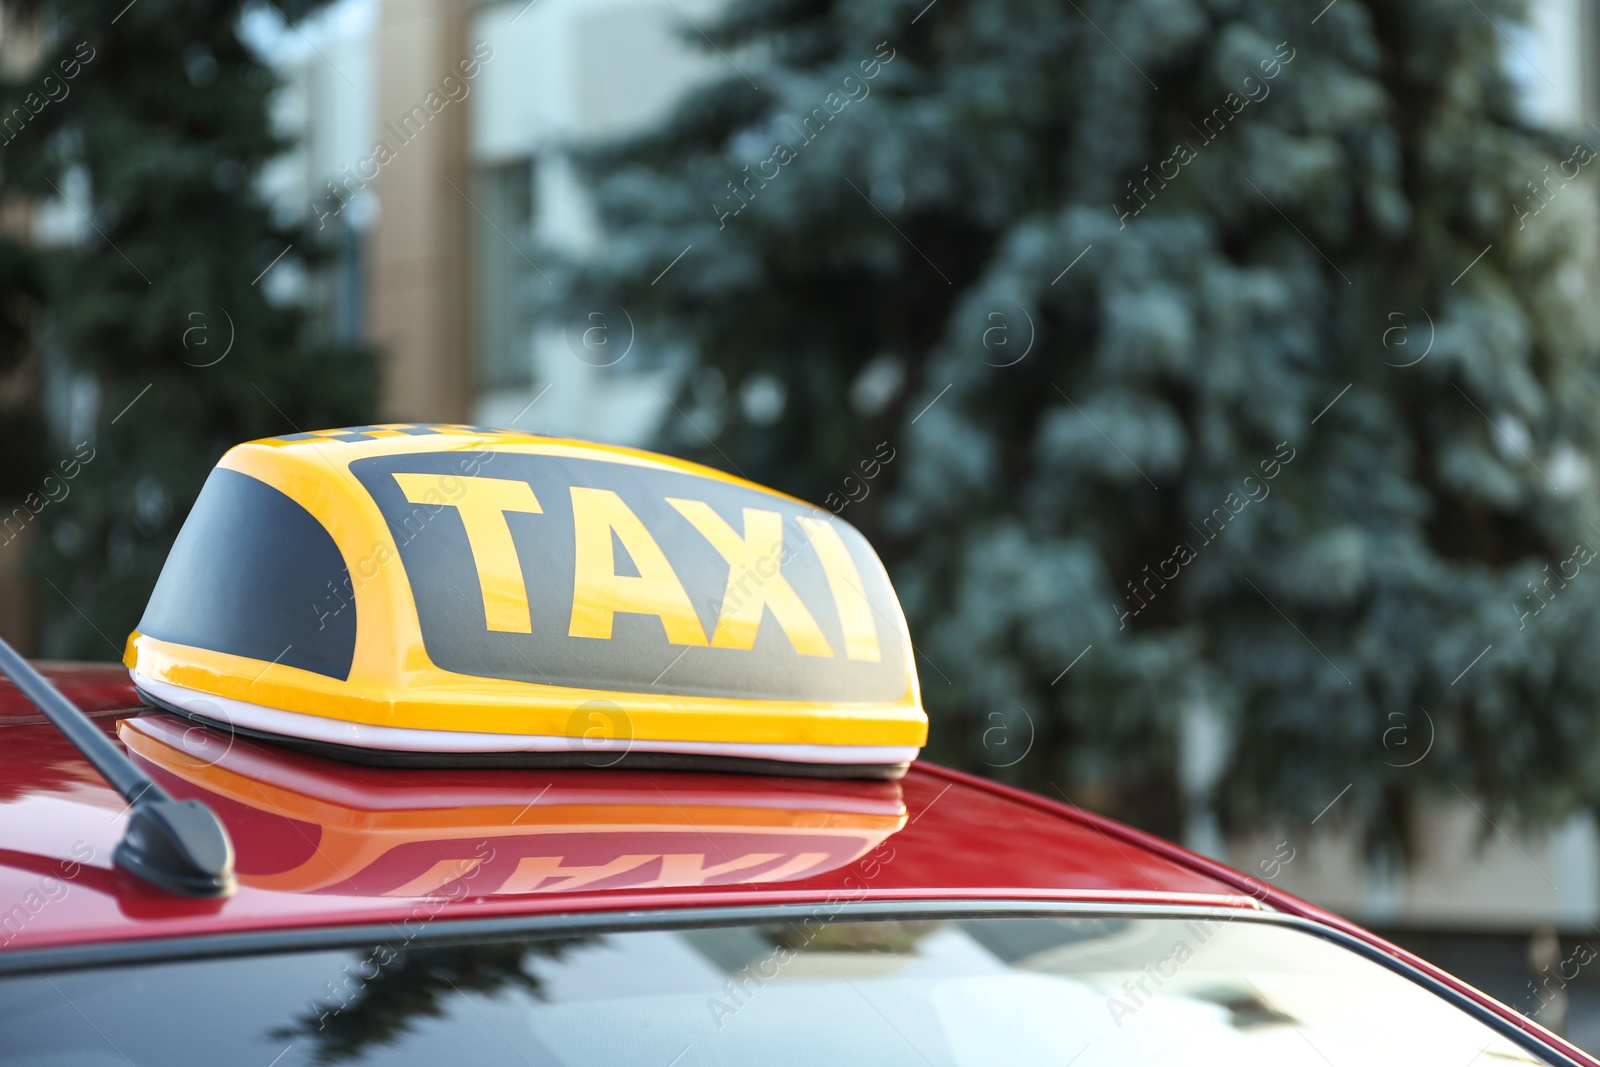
<point x="323" y="843"/>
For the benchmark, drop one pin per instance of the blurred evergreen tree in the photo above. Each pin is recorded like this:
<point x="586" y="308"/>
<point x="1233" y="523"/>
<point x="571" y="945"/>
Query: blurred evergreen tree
<point x="145" y="129"/>
<point x="22" y="428"/>
<point x="1093" y="271"/>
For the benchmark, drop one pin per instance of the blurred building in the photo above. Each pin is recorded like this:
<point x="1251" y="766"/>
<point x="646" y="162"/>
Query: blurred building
<point x="430" y="136"/>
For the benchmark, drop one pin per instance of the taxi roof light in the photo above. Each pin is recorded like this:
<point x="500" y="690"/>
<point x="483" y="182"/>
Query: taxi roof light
<point x="179" y="846"/>
<point x="444" y="595"/>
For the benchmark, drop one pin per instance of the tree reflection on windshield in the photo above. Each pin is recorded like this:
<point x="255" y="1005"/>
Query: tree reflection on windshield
<point x="381" y="995"/>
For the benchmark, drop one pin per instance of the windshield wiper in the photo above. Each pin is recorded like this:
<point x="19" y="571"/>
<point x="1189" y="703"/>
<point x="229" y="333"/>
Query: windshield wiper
<point x="178" y="845"/>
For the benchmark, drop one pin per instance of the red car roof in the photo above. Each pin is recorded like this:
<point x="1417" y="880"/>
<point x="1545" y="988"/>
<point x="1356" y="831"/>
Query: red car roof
<point x="322" y="843"/>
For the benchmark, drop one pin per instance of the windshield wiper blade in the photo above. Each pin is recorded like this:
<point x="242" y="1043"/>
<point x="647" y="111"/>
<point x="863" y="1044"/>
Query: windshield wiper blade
<point x="178" y="845"/>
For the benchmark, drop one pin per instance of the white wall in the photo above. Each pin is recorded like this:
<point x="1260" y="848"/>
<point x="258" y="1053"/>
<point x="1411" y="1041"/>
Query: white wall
<point x="1469" y="873"/>
<point x="328" y="101"/>
<point x="569" y="71"/>
<point x="1546" y="60"/>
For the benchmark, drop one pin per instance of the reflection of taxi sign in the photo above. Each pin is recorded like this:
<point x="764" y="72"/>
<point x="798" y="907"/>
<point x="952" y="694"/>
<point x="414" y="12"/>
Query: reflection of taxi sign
<point x="365" y="831"/>
<point x="431" y="594"/>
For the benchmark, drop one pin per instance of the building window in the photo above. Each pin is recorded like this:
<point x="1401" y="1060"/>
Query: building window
<point x="504" y="197"/>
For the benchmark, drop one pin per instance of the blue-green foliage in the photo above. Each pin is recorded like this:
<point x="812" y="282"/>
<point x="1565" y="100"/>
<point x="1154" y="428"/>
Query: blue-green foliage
<point x="1320" y="191"/>
<point x="153" y="122"/>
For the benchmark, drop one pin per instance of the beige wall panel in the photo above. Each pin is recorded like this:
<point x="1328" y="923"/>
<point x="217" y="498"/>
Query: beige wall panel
<point x="420" y="293"/>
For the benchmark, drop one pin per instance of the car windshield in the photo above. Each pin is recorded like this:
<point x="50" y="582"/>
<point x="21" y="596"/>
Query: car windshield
<point x="1086" y="991"/>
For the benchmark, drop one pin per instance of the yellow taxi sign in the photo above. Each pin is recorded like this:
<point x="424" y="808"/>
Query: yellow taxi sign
<point x="427" y="593"/>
